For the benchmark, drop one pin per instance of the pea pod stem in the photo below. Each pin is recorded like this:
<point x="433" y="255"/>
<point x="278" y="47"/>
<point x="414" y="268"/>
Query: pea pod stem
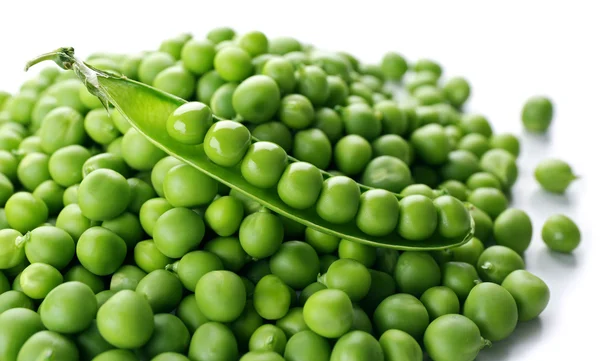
<point x="147" y="109"/>
<point x="21" y="240"/>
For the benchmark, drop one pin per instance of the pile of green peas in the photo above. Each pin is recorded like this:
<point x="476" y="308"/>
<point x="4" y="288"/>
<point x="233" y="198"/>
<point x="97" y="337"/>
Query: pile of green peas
<point x="111" y="249"/>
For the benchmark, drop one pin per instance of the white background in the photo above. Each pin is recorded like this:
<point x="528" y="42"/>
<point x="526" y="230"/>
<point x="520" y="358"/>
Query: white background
<point x="508" y="50"/>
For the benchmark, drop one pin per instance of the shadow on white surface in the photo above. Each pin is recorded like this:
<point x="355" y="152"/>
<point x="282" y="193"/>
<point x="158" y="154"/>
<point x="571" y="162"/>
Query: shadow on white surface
<point x="526" y="334"/>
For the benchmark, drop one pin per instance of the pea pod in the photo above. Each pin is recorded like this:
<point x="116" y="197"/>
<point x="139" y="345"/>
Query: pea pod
<point x="147" y="110"/>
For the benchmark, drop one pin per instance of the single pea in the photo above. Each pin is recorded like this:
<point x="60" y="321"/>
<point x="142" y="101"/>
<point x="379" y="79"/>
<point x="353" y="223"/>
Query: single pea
<point x="476" y="123"/>
<point x="8" y="164"/>
<point x="440" y="301"/>
<point x="49" y="245"/>
<point x="70" y="125"/>
<point x="554" y="175"/>
<point x="52" y="194"/>
<point x="100" y="127"/>
<point x="177" y="231"/>
<point x="233" y="63"/>
<point x="453" y="217"/>
<point x="230" y="251"/>
<point x="207" y="85"/>
<point x="152" y="64"/>
<point x="131" y="64"/>
<point x="400" y="346"/>
<point x="190" y="314"/>
<point x="101" y="188"/>
<point x="185" y="186"/>
<point x="359" y="252"/>
<point x="468" y="252"/>
<point x="226" y="143"/>
<point x="312" y="146"/>
<point x="460" y="277"/>
<point x="42" y="343"/>
<point x="361" y="321"/>
<point x="537" y="114"/>
<point x="162" y="289"/>
<point x="493" y="309"/>
<point x="362" y="90"/>
<point x="483" y="180"/>
<point x="7" y="189"/>
<point x="189" y="123"/>
<point x="170" y="356"/>
<point x="306" y="292"/>
<point x="213" y="341"/>
<point x="329" y="313"/>
<point x="282" y="71"/>
<point x="224" y="215"/>
<point x="429" y="95"/>
<point x="261" y="234"/>
<point x="350" y="276"/>
<point x="33" y="170"/>
<point x="429" y="65"/>
<point x="338" y="91"/>
<point x="307" y="346"/>
<point x="513" y="229"/>
<point x="264" y="163"/>
<point x="330" y="122"/>
<point x="24" y="211"/>
<point x="105" y="161"/>
<point x="561" y="234"/>
<point x="312" y="83"/>
<point x="10" y="140"/>
<point x="69" y="308"/>
<point x="338" y="190"/>
<point x="387" y="172"/>
<point x="502" y="164"/>
<point x="362" y="120"/>
<point x="392" y="145"/>
<point x="497" y="262"/>
<point x="116" y="355"/>
<point x="275" y="132"/>
<point x="72" y="220"/>
<point x="220" y="34"/>
<point x="455" y="188"/>
<point x="418" y="218"/>
<point x="138" y="152"/>
<point x="221" y="102"/>
<point x="271" y="298"/>
<point x="296" y="263"/>
<point x="194" y="265"/>
<point x="38" y="279"/>
<point x="140" y="192"/>
<point x="11" y="299"/>
<point x="30" y="144"/>
<point x="19" y="107"/>
<point x="506" y="141"/>
<point x="126" y="320"/>
<point x="245" y="325"/>
<point x="457" y="91"/>
<point x="100" y="251"/>
<point x="530" y="293"/>
<point x="357" y="345"/>
<point x="393" y="66"/>
<point x="127" y="277"/>
<point x="378" y="212"/>
<point x="490" y="200"/>
<point x="256" y="99"/>
<point x="461" y="164"/>
<point x="268" y="338"/>
<point x="483" y="223"/>
<point x="402" y="312"/>
<point x="351" y="154"/>
<point x="431" y="144"/>
<point x="176" y="80"/>
<point x="453" y="338"/>
<point x="300" y="185"/>
<point x="221" y="295"/>
<point x="418" y="189"/>
<point x="127" y="226"/>
<point x="283" y="45"/>
<point x="296" y="111"/>
<point x="415" y="272"/>
<point x="474" y="143"/>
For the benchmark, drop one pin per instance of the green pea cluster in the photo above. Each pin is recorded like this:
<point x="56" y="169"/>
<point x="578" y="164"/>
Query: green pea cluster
<point x="113" y="249"/>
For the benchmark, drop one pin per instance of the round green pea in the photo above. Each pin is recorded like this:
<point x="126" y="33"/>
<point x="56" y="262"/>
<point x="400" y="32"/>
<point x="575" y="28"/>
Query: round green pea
<point x="361" y="119"/>
<point x="439" y="301"/>
<point x="263" y="164"/>
<point x="261" y="234"/>
<point x="391" y="145"/>
<point x="69" y="308"/>
<point x="307" y="346"/>
<point x="105" y="161"/>
<point x="418" y="217"/>
<point x="490" y="200"/>
<point x="186" y="186"/>
<point x="61" y="127"/>
<point x="415" y="272"/>
<point x="162" y="289"/>
<point x="296" y="111"/>
<point x="271" y="298"/>
<point x="400" y="346"/>
<point x="537" y="114"/>
<point x="387" y="172"/>
<point x="224" y="215"/>
<point x="100" y="251"/>
<point x="493" y="309"/>
<point x="393" y="66"/>
<point x="49" y="245"/>
<point x="221" y="102"/>
<point x="100" y="127"/>
<point x="42" y="343"/>
<point x="268" y="338"/>
<point x="127" y="277"/>
<point x="207" y="85"/>
<point x="213" y="341"/>
<point x="189" y="123"/>
<point x="453" y="217"/>
<point x="468" y="252"/>
<point x="460" y="277"/>
<point x="402" y="312"/>
<point x="350" y="276"/>
<point x="483" y="180"/>
<point x="197" y="55"/>
<point x="152" y="64"/>
<point x="72" y="220"/>
<point x="103" y="194"/>
<point x="300" y="185"/>
<point x="38" y="279"/>
<point x="230" y="251"/>
<point x="530" y="293"/>
<point x="138" y="152"/>
<point x="561" y="234"/>
<point x="378" y="212"/>
<point x="365" y="254"/>
<point x="312" y="146"/>
<point x="275" y="132"/>
<point x="226" y="143"/>
<point x="328" y="313"/>
<point x="312" y="83"/>
<point x="194" y="265"/>
<point x="52" y="195"/>
<point x="506" y="141"/>
<point x="431" y="144"/>
<point x="513" y="229"/>
<point x="176" y="80"/>
<point x="476" y="123"/>
<point x="256" y="99"/>
<point x="357" y="345"/>
<point x="233" y="64"/>
<point x="330" y="122"/>
<point x="339" y="200"/>
<point x="554" y="175"/>
<point x="351" y="154"/>
<point x="461" y="164"/>
<point x="296" y="263"/>
<point x="502" y="164"/>
<point x="221" y="295"/>
<point x="497" y="262"/>
<point x="33" y="170"/>
<point x="24" y="211"/>
<point x="282" y="71"/>
<point x="178" y="231"/>
<point x="453" y="338"/>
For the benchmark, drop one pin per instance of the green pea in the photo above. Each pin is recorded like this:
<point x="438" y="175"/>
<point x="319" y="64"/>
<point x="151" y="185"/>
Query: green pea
<point x="387" y="172"/>
<point x="350" y="276"/>
<point x="460" y="277"/>
<point x="160" y="171"/>
<point x="312" y="146"/>
<point x="506" y="141"/>
<point x="312" y="83"/>
<point x="207" y="85"/>
<point x="440" y="301"/>
<point x="101" y="188"/>
<point x="468" y="252"/>
<point x="256" y="99"/>
<point x="513" y="229"/>
<point x="453" y="217"/>
<point x="357" y="251"/>
<point x="116" y="355"/>
<point x="497" y="262"/>
<point x="31" y="144"/>
<point x="226" y="142"/>
<point x="268" y="338"/>
<point x="453" y="338"/>
<point x="457" y="91"/>
<point x="330" y="123"/>
<point x="49" y="245"/>
<point x="418" y="189"/>
<point x="362" y="120"/>
<point x="152" y="64"/>
<point x="43" y="343"/>
<point x="455" y="188"/>
<point x="138" y="152"/>
<point x="176" y="80"/>
<point x="27" y="322"/>
<point x="131" y="64"/>
<point x="72" y="220"/>
<point x="282" y="71"/>
<point x="476" y="123"/>
<point x="177" y="231"/>
<point x="170" y="356"/>
<point x="221" y="295"/>
<point x="224" y="215"/>
<point x="418" y="217"/>
<point x="537" y="114"/>
<point x="554" y="175"/>
<point x="474" y="143"/>
<point x="6" y="189"/>
<point x="351" y="154"/>
<point x="245" y="326"/>
<point x="275" y="132"/>
<point x="38" y="279"/>
<point x="502" y="164"/>
<point x="127" y="277"/>
<point x="378" y="212"/>
<point x="391" y="145"/>
<point x="329" y="313"/>
<point x="357" y="345"/>
<point x="300" y="185"/>
<point x="150" y="211"/>
<point x="24" y="211"/>
<point x="230" y="251"/>
<point x="461" y="164"/>
<point x="233" y="64"/>
<point x="101" y="251"/>
<point x="483" y="180"/>
<point x="561" y="234"/>
<point x="140" y="192"/>
<point x="483" y="223"/>
<point x="264" y="163"/>
<point x="221" y="102"/>
<point x="33" y="170"/>
<point x="429" y="65"/>
<point x="431" y="144"/>
<point x="338" y="91"/>
<point x="399" y="346"/>
<point x="19" y="107"/>
<point x="402" y="312"/>
<point x="261" y="234"/>
<point x="490" y="200"/>
<point x="296" y="112"/>
<point x="307" y="346"/>
<point x="10" y="140"/>
<point x="530" y="293"/>
<point x="105" y="161"/>
<point x="126" y="320"/>
<point x="8" y="165"/>
<point x="70" y="124"/>
<point x="493" y="309"/>
<point x="52" y="195"/>
<point x="213" y="341"/>
<point x="429" y="95"/>
<point x="415" y="272"/>
<point x="271" y="298"/>
<point x="393" y="66"/>
<point x="189" y="123"/>
<point x="100" y="127"/>
<point x="190" y="314"/>
<point x="15" y="299"/>
<point x="185" y="186"/>
<point x="296" y="263"/>
<point x="69" y="308"/>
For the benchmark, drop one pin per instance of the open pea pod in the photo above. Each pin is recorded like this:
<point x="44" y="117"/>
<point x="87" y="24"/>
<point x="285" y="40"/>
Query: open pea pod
<point x="147" y="109"/>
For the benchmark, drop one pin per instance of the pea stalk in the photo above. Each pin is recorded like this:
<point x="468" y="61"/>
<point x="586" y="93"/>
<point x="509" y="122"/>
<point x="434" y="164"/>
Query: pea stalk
<point x="147" y="109"/>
